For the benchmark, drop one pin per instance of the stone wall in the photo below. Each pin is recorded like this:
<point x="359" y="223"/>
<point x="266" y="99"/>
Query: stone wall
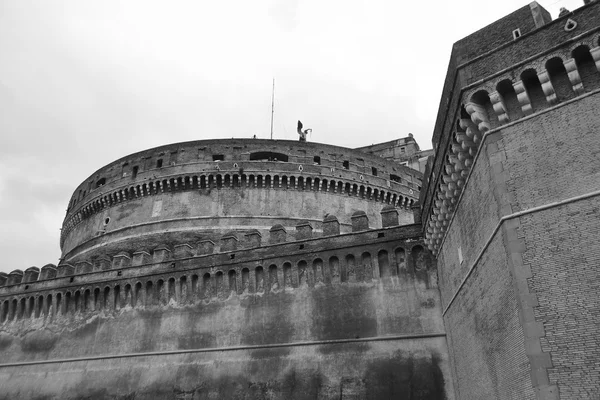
<point x="355" y="315"/>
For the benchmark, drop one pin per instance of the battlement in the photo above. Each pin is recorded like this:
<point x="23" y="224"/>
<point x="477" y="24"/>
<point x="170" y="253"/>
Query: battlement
<point x="506" y="53"/>
<point x="257" y="155"/>
<point x="537" y="85"/>
<point x="207" y="270"/>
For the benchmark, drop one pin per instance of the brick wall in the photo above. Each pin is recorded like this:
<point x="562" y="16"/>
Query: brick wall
<point x="527" y="318"/>
<point x="553" y="157"/>
<point x="485" y="337"/>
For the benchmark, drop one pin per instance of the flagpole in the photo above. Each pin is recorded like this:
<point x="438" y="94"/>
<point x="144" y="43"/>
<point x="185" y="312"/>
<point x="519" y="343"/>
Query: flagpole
<point x="272" y="107"/>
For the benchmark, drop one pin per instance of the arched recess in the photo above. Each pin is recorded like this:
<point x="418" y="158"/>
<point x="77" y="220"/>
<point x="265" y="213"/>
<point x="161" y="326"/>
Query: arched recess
<point x="171" y="290"/>
<point x="507" y="91"/>
<point x="232" y="275"/>
<point x="245" y="279"/>
<point x="534" y="89"/>
<point x="420" y="258"/>
<point x="349" y="272"/>
<point x="273" y="278"/>
<point x="590" y="77"/>
<point x="105" y="299"/>
<point x="400" y="256"/>
<point x="220" y="285"/>
<point x="183" y="290"/>
<point x="149" y="294"/>
<point x="160" y="292"/>
<point x="207" y="290"/>
<point x="260" y="279"/>
<point x="334" y="270"/>
<point x="302" y="273"/>
<point x="366" y="270"/>
<point x="317" y="271"/>
<point x="287" y="275"/>
<point x="559" y="79"/>
<point x="384" y="264"/>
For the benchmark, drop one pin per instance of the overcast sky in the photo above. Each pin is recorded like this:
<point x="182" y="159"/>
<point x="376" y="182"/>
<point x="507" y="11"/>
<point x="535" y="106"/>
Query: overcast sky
<point x="83" y="83"/>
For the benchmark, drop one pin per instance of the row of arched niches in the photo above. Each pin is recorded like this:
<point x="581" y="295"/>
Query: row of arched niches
<point x="388" y="264"/>
<point x="555" y="78"/>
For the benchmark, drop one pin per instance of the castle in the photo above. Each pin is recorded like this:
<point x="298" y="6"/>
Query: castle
<point x="268" y="269"/>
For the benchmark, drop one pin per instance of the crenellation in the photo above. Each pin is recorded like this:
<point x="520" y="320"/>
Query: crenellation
<point x="360" y="221"/>
<point x="63" y="270"/>
<point x="14" y="277"/>
<point x="48" y="271"/>
<point x="253" y="238"/>
<point x="229" y="242"/>
<point x="277" y="234"/>
<point x="83" y="267"/>
<point x="389" y="216"/>
<point x="183" y="250"/>
<point x="206" y="246"/>
<point x="331" y="226"/>
<point x="31" y="274"/>
<point x="304" y="230"/>
<point x="123" y="259"/>
<point x="102" y="263"/>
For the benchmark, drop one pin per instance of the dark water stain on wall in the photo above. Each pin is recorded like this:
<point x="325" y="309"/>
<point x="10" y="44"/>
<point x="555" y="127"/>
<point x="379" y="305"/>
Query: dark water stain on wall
<point x="39" y="342"/>
<point x="405" y="376"/>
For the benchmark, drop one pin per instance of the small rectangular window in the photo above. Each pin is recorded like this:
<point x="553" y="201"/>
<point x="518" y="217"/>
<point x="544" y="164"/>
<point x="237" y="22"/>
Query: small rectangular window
<point x="159" y="163"/>
<point x="346" y="164"/>
<point x="373" y="171"/>
<point x="218" y="157"/>
<point x="317" y="160"/>
<point x="402" y="149"/>
<point x="395" y="178"/>
<point x="516" y="33"/>
<point x="135" y="172"/>
<point x="124" y="170"/>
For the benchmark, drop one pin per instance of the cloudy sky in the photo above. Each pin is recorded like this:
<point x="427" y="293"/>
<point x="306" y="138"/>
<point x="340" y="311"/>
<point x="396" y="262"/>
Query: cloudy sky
<point x="83" y="83"/>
